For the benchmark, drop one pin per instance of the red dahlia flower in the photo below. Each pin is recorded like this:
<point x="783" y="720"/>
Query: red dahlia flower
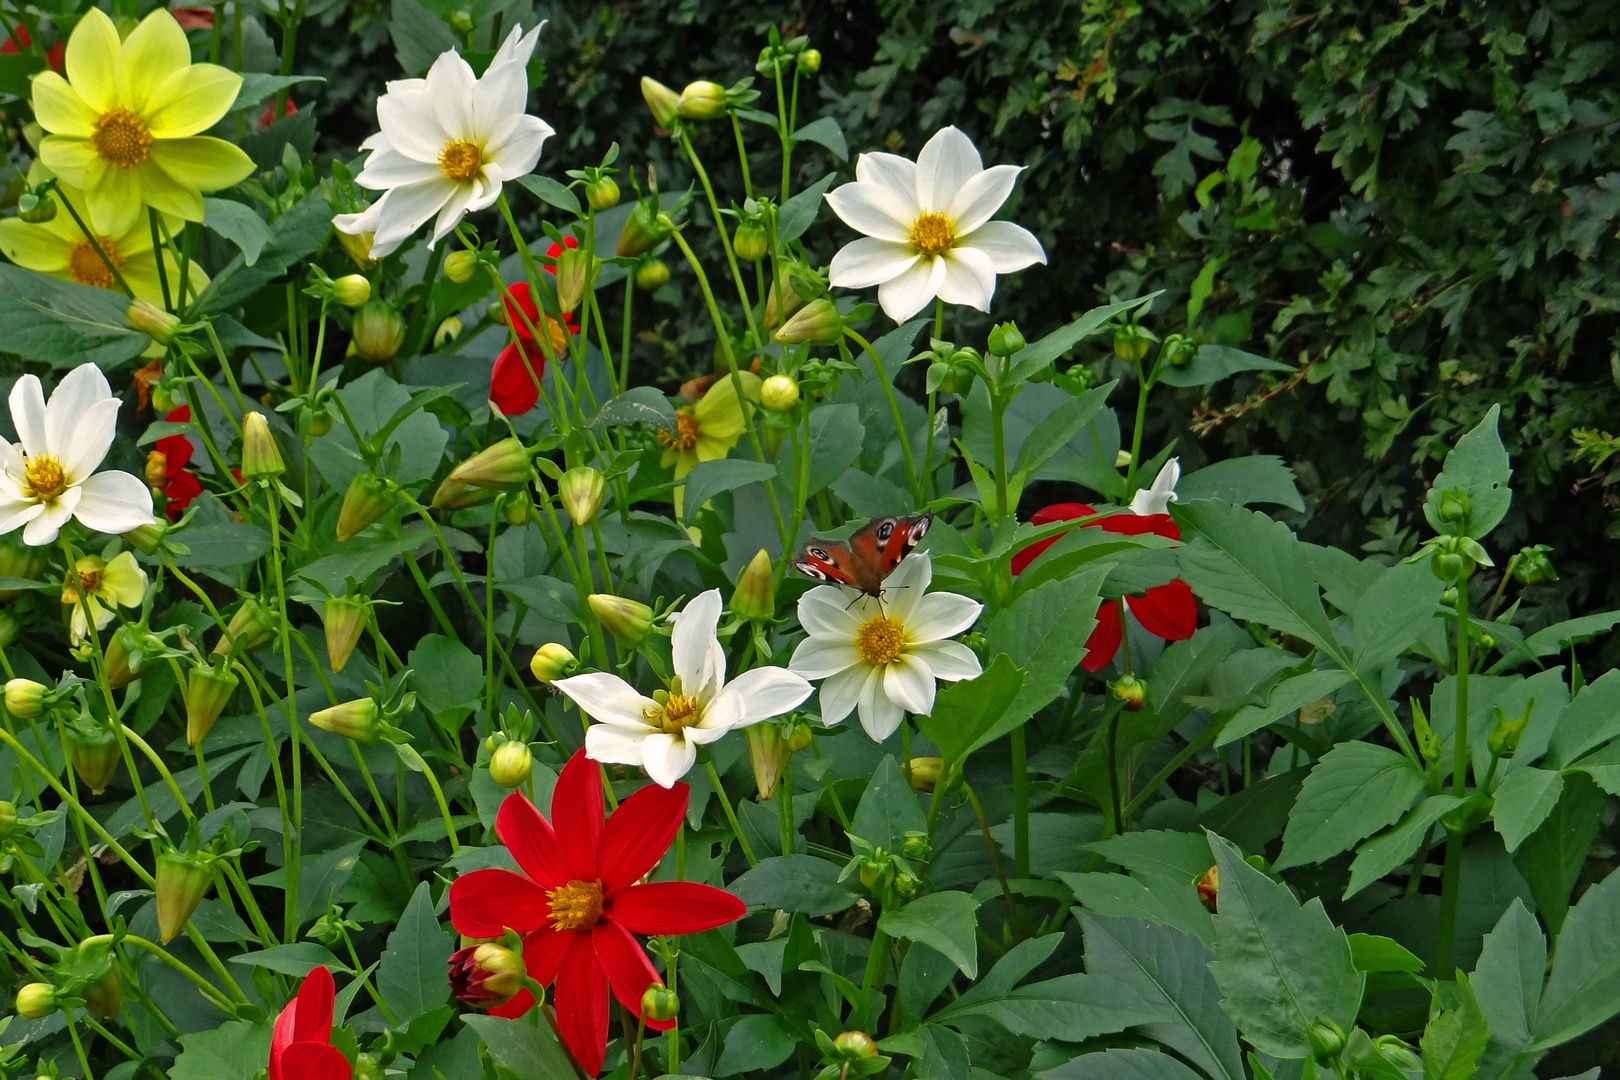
<point x="301" y="1044"/>
<point x="1167" y="611"/>
<point x="580" y="898"/>
<point x="53" y="55"/>
<point x="512" y="387"/>
<point x="179" y="485"/>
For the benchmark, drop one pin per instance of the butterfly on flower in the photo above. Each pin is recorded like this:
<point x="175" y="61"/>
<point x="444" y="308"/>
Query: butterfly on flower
<point x="867" y="557"/>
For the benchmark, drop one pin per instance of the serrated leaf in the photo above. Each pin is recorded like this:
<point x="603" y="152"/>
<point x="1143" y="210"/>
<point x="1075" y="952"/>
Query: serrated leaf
<point x="411" y="976"/>
<point x="296" y="959"/>
<point x="1040" y="354"/>
<point x="1119" y="1064"/>
<point x="519" y="1045"/>
<point x="236" y="1050"/>
<point x="963" y="711"/>
<point x="800" y="883"/>
<point x="222" y="543"/>
<point x="1045" y="633"/>
<point x="1455" y="1039"/>
<point x="1213" y="363"/>
<point x="1507" y="979"/>
<point x="1584" y="988"/>
<point x="1257" y="478"/>
<point x="1356" y="789"/>
<point x="1069" y="1007"/>
<point x="65" y="324"/>
<point x="757" y="1041"/>
<point x="1478" y="464"/>
<point x="419" y="36"/>
<point x="637" y="405"/>
<point x="1287" y="697"/>
<point x="1383" y="855"/>
<point x="1397" y="609"/>
<point x="836" y="436"/>
<point x="1058" y="428"/>
<point x="944" y="921"/>
<point x="888" y="809"/>
<point x="1523" y="801"/>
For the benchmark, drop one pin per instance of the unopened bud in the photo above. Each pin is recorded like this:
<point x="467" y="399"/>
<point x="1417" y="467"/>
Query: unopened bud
<point x="810" y="61"/>
<point x="378" y="332"/>
<point x="183" y="879"/>
<point x="368" y="498"/>
<point x="1455" y="506"/>
<point x="36" y="1000"/>
<point x="768" y="755"/>
<point x="755" y="595"/>
<point x="1179" y="350"/>
<point x="576" y="269"/>
<point x="642" y="232"/>
<point x="855" y="1045"/>
<point x="798" y="737"/>
<point x="345" y="619"/>
<point x="659" y="1002"/>
<point x="652" y="275"/>
<point x="602" y="193"/>
<point x="208" y="691"/>
<point x="702" y="100"/>
<point x="580" y="491"/>
<point x="923" y="772"/>
<point x="1427" y="741"/>
<point x="359" y="720"/>
<point x="750" y="242"/>
<point x="127" y="652"/>
<point x="153" y="321"/>
<point x="1327" y="1038"/>
<point x="358" y="245"/>
<point x="105" y="996"/>
<point x="627" y="620"/>
<point x="782" y="300"/>
<point x="25" y="698"/>
<point x="459" y="266"/>
<point x="779" y="393"/>
<point x="462" y="21"/>
<point x="502" y="466"/>
<point x="1505" y="736"/>
<point x="8" y="819"/>
<point x="249" y="629"/>
<point x="1209" y="888"/>
<point x="351" y="290"/>
<point x="486" y="976"/>
<point x="1005" y="339"/>
<point x="453" y="495"/>
<point x="511" y="764"/>
<point x="93" y="752"/>
<point x="1393" y="1050"/>
<point x="1533" y="567"/>
<point x="1132" y="691"/>
<point x="664" y="102"/>
<point x="261" y="457"/>
<point x="1133" y="343"/>
<point x="447" y="332"/>
<point x="36" y="209"/>
<point x="817" y="323"/>
<point x="551" y="662"/>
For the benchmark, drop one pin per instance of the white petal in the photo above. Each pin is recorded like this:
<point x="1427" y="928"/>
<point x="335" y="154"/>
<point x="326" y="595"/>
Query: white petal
<point x="71" y="407"/>
<point x="1157" y="499"/>
<point x="903" y="589"/>
<point x="667" y="758"/>
<point x="42" y="530"/>
<point x="874" y="209"/>
<point x="501" y="93"/>
<point x="363" y="222"/>
<point x="911" y="291"/>
<point x="841" y="692"/>
<point x="28" y="414"/>
<point x="754" y="696"/>
<point x="695" y="651"/>
<point x="518" y="47"/>
<point x="390" y="168"/>
<point x="607" y="698"/>
<point x="451" y="83"/>
<point x="948" y="660"/>
<point x="941" y="615"/>
<point x="909" y="683"/>
<point x="980" y="198"/>
<point x="969" y="279"/>
<point x="879" y="716"/>
<point x="862" y="263"/>
<point x="451" y="213"/>
<point x="404" y="210"/>
<point x="113" y="502"/>
<point x="825" y="611"/>
<point x="15" y="513"/>
<point x="515" y="146"/>
<point x="412" y="126"/>
<point x="1009" y="247"/>
<point x="81" y="446"/>
<point x="947" y="162"/>
<point x="822" y="657"/>
<point x="893" y="173"/>
<point x="614" y="745"/>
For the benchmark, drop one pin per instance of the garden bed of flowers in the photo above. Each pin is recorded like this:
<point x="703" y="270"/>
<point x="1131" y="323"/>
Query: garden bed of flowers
<point x="417" y="667"/>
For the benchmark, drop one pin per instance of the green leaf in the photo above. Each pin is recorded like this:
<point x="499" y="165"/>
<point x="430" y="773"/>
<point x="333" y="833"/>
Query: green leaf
<point x="236" y="1050"/>
<point x="1044" y="632"/>
<point x="1584" y="988"/>
<point x="1258" y="478"/>
<point x="1120" y="1064"/>
<point x="1374" y="952"/>
<point x="1280" y="966"/>
<point x="965" y="710"/>
<point x="1397" y="609"/>
<point x="521" y="1046"/>
<point x="1169" y="970"/>
<point x="1070" y="1007"/>
<point x="1157" y="851"/>
<point x="296" y="959"/>
<point x="836" y="436"/>
<point x="294" y="236"/>
<point x="1213" y="363"/>
<point x="794" y="883"/>
<point x="1356" y="789"/>
<point x="240" y="224"/>
<point x="1507" y="978"/>
<point x="1287" y="697"/>
<point x="709" y="478"/>
<point x="447" y="676"/>
<point x="63" y="324"/>
<point x="1560" y="636"/>
<point x="1454" y="1040"/>
<point x="411" y="977"/>
<point x="1552" y="858"/>
<point x="799" y="212"/>
<point x="372" y="400"/>
<point x="826" y="132"/>
<point x="222" y="543"/>
<point x="1591" y="719"/>
<point x="419" y="36"/>
<point x="1478" y="465"/>
<point x="871" y="496"/>
<point x="1383" y="855"/>
<point x="1058" y="428"/>
<point x="637" y="405"/>
<point x="944" y="921"/>
<point x="1523" y="801"/>
<point x="552" y="193"/>
<point x="1041" y="354"/>
<point x="757" y="1041"/>
<point x="888" y="809"/>
<point x="259" y="85"/>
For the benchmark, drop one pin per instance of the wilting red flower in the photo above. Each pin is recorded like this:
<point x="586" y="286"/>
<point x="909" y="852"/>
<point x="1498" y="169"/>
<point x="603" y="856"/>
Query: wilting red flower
<point x="179" y="485"/>
<point x="53" y="55"/>
<point x="268" y="115"/>
<point x="193" y="18"/>
<point x="301" y="1044"/>
<point x="579" y="899"/>
<point x="511" y="386"/>
<point x="1167" y="611"/>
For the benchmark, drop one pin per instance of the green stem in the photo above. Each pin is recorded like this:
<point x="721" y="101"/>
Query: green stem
<point x="1451" y="873"/>
<point x="731" y="815"/>
<point x="877" y="964"/>
<point x="894" y="408"/>
<point x="1020" y="767"/>
<point x="725" y="237"/>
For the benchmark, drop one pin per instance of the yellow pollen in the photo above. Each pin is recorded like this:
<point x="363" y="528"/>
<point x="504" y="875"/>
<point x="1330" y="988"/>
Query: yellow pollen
<point x="576" y="905"/>
<point x="121" y="138"/>
<point x="676" y="714"/>
<point x="157" y="468"/>
<point x="461" y="161"/>
<point x="932" y="233"/>
<point x="880" y="640"/>
<point x="43" y="477"/>
<point x="87" y="268"/>
<point x="687" y="438"/>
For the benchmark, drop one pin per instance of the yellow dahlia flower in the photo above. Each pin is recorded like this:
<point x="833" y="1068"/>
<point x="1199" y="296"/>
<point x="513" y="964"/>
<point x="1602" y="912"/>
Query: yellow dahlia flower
<point x="123" y="126"/>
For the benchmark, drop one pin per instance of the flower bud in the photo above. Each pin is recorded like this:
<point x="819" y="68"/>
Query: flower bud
<point x="1428" y="742"/>
<point x="250" y="627"/>
<point x="749" y="242"/>
<point x="1006" y="340"/>
<point x="1179" y="349"/>
<point x="156" y="470"/>
<point x="511" y="765"/>
<point x="502" y="466"/>
<point x="369" y="1067"/>
<point x="36" y="1001"/>
<point x="345" y="619"/>
<point x="1122" y="459"/>
<point x="486" y="976"/>
<point x="25" y="698"/>
<point x="1533" y="567"/>
<point x="459" y="266"/>
<point x="768" y="755"/>
<point x="18" y="560"/>
<point x="351" y="290"/>
<point x="358" y="245"/>
<point x="1504" y="737"/>
<point x="664" y="102"/>
<point x="105" y="996"/>
<point x="659" y="1002"/>
<point x="1455" y="506"/>
<point x="378" y="332"/>
<point x="453" y="495"/>
<point x="580" y="491"/>
<point x="369" y="497"/>
<point x="8" y="819"/>
<point x="641" y="233"/>
<point x="127" y="652"/>
<point x="153" y="321"/>
<point x="1133" y="343"/>
<point x="855" y="1045"/>
<point x="10" y="628"/>
<point x="1327" y="1038"/>
<point x="602" y="193"/>
<point x="358" y="720"/>
<point x="447" y="332"/>
<point x="261" y="457"/>
<point x="1132" y="691"/>
<point x="923" y="772"/>
<point x="779" y="393"/>
<point x="1209" y="888"/>
<point x="208" y="691"/>
<point x="183" y="879"/>
<point x="810" y="61"/>
<point x="1393" y="1050"/>
<point x="93" y="751"/>
<point x="627" y="620"/>
<point x="576" y="269"/>
<point x="817" y="323"/>
<point x="702" y="100"/>
<point x="755" y="595"/>
<point x="1453" y="559"/>
<point x="148" y="538"/>
<point x="519" y="509"/>
<point x="781" y="301"/>
<point x="797" y="737"/>
<point x="652" y="275"/>
<point x="36" y="209"/>
<point x="916" y="845"/>
<point x="551" y="662"/>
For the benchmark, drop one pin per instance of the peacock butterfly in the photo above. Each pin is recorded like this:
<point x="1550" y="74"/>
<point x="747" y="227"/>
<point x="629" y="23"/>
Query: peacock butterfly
<point x="867" y="557"/>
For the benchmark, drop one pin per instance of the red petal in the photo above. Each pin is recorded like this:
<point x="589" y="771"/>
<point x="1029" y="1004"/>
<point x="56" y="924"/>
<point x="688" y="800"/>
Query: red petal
<point x="531" y="841"/>
<point x="1167" y="611"/>
<point x="180" y="491"/>
<point x="672" y="907"/>
<point x="176" y="451"/>
<point x="307" y="1018"/>
<point x="179" y="415"/>
<point x="517" y="298"/>
<point x="576" y="816"/>
<point x="1104" y="640"/>
<point x="315" y="1061"/>
<point x="1045" y="516"/>
<point x="638" y="834"/>
<point x="485" y="902"/>
<point x="582" y="1005"/>
<point x="511" y="386"/>
<point x="516" y="1007"/>
<point x="628" y="970"/>
<point x="1137" y="524"/>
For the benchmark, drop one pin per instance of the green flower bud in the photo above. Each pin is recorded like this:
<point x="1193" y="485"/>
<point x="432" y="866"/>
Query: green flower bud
<point x="261" y="457"/>
<point x="855" y="1045"/>
<point x="768" y="756"/>
<point x="602" y="194"/>
<point x="580" y="491"/>
<point x="551" y="662"/>
<point x="1327" y="1038"/>
<point x="153" y="321"/>
<point x="915" y="845"/>
<point x="251" y="625"/>
<point x="1504" y="737"/>
<point x="1455" y="506"/>
<point x="750" y="242"/>
<point x="702" y="100"/>
<point x="1398" y="1053"/>
<point x="923" y="772"/>
<point x="1451" y="561"/>
<point x="320" y="420"/>
<point x="36" y="1001"/>
<point x="208" y="691"/>
<point x="1427" y="741"/>
<point x="627" y="620"/>
<point x="755" y="595"/>
<point x="447" y="332"/>
<point x="351" y="290"/>
<point x="810" y="61"/>
<point x="453" y="495"/>
<point x="1533" y="567"/>
<point x="105" y="996"/>
<point x="641" y="233"/>
<point x="148" y="538"/>
<point x="503" y="466"/>
<point x="664" y="102"/>
<point x="127" y="652"/>
<point x="378" y="332"/>
<point x="183" y="879"/>
<point x="1132" y="691"/>
<point x="486" y="976"/>
<point x="93" y="752"/>
<point x="1005" y="339"/>
<point x="798" y="737"/>
<point x="1180" y="350"/>
<point x="462" y="22"/>
<point x="368" y="498"/>
<point x="36" y="209"/>
<point x="358" y="246"/>
<point x="8" y="819"/>
<point x="659" y="1002"/>
<point x="1133" y="343"/>
<point x="359" y="720"/>
<point x="652" y="275"/>
<point x="576" y="269"/>
<point x="782" y="300"/>
<point x="459" y="266"/>
<point x="25" y="698"/>
<point x="817" y="323"/>
<point x="779" y="393"/>
<point x="511" y="765"/>
<point x="344" y="618"/>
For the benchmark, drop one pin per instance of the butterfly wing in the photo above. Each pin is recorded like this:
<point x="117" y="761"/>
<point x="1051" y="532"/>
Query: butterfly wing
<point x="826" y="560"/>
<point x="868" y="557"/>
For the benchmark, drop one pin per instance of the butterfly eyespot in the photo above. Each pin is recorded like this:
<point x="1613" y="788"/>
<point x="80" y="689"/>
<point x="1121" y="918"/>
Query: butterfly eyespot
<point x="818" y="553"/>
<point x="885" y="531"/>
<point x="810" y="571"/>
<point x="918" y="531"/>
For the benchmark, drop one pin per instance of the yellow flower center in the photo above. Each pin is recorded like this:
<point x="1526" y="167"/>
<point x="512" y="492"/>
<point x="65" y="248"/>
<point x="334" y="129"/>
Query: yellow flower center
<point x="676" y="714"/>
<point x="880" y="640"/>
<point x="121" y="138"/>
<point x="87" y="268"/>
<point x="42" y="476"/>
<point x="687" y="432"/>
<point x="932" y="233"/>
<point x="576" y="905"/>
<point x="461" y="161"/>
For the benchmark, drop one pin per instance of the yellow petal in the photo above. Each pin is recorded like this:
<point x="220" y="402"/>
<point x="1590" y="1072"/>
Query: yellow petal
<point x="161" y="190"/>
<point x="123" y="581"/>
<point x="33" y="247"/>
<point x="710" y="448"/>
<point x="113" y="197"/>
<point x="92" y="60"/>
<point x="59" y="109"/>
<point x="153" y="51"/>
<point x="140" y="273"/>
<point x="72" y="159"/>
<point x="202" y="163"/>
<point x="191" y="100"/>
<point x="685" y="462"/>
